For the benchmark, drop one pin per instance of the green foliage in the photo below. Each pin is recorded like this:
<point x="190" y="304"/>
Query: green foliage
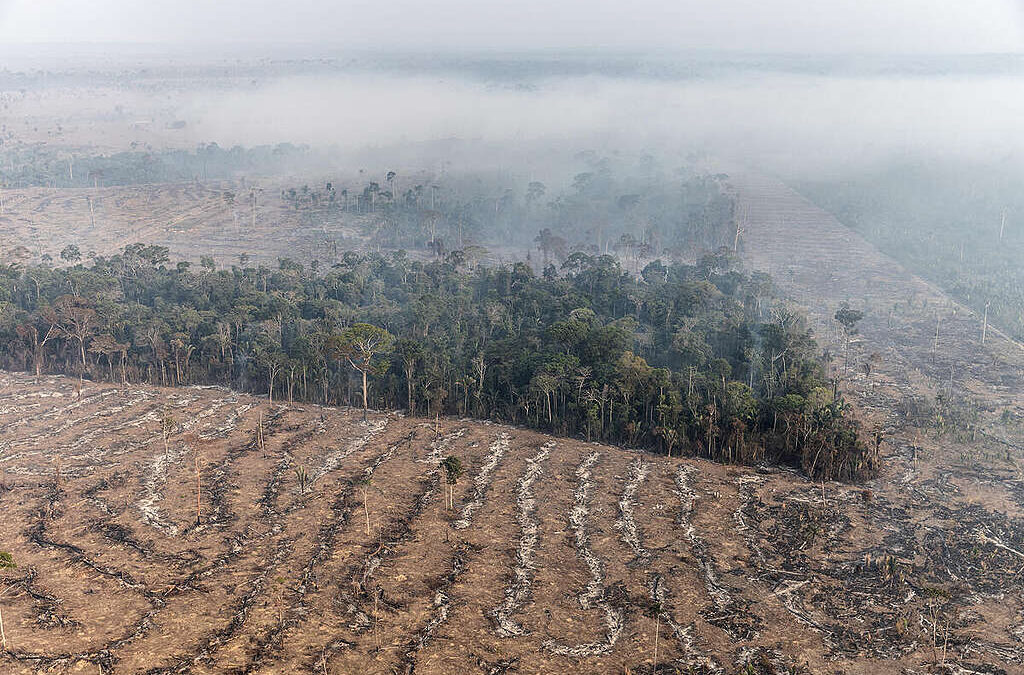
<point x="362" y="345"/>
<point x="849" y="317"/>
<point x="6" y="560"/>
<point x="696" y="359"/>
<point x="453" y="470"/>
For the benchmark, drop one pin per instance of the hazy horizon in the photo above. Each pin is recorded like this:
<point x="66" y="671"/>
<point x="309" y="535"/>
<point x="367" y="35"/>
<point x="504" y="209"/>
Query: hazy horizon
<point x="789" y="26"/>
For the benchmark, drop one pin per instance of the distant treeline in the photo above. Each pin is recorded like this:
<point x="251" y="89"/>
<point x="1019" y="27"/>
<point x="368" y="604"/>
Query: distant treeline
<point x="632" y="208"/>
<point x="696" y="359"/>
<point x="958" y="225"/>
<point x="629" y="206"/>
<point x="41" y="166"/>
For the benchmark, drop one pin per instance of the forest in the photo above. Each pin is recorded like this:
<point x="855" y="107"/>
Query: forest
<point x="697" y="359"/>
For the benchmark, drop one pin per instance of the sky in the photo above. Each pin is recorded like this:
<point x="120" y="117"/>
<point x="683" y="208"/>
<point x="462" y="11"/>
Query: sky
<point x="794" y="26"/>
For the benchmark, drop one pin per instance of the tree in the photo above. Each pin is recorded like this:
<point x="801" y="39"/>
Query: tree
<point x="108" y="347"/>
<point x="270" y="358"/>
<point x="364" y="487"/>
<point x="362" y="345"/>
<point x="71" y="254"/>
<point x="549" y="244"/>
<point x="669" y="438"/>
<point x="29" y="333"/>
<point x="409" y="353"/>
<point x="452" y="468"/>
<point x="848" y="318"/>
<point x="167" y="424"/>
<point x="75" y="320"/>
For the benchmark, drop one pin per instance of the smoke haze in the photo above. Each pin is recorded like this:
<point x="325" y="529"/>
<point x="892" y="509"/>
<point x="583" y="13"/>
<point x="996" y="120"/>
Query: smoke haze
<point x="438" y="86"/>
<point x="768" y="25"/>
<point x="789" y="122"/>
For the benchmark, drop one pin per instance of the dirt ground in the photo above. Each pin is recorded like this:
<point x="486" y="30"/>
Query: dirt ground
<point x="191" y="219"/>
<point x="324" y="545"/>
<point x="560" y="555"/>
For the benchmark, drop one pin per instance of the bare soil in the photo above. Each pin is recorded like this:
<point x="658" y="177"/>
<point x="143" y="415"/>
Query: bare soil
<point x="560" y="555"/>
<point x="191" y="219"/>
<point x="728" y="565"/>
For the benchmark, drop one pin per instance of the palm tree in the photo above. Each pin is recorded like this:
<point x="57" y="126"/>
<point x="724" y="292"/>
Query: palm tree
<point x="848" y="318"/>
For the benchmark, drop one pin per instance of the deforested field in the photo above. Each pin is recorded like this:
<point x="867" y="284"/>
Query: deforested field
<point x="191" y="219"/>
<point x="326" y="547"/>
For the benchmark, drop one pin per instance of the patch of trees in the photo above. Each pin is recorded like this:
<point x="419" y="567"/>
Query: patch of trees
<point x="633" y="210"/>
<point x="698" y="359"/>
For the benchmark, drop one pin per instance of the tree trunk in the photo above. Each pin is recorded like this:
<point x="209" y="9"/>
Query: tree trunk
<point x="365" y="404"/>
<point x="199" y="503"/>
<point x="408" y="380"/>
<point x="81" y="372"/>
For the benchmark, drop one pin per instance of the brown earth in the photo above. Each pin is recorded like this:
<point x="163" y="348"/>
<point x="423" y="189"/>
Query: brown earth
<point x="560" y="555"/>
<point x="191" y="219"/>
<point x="553" y="560"/>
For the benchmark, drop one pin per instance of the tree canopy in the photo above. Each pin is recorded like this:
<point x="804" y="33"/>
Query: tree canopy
<point x="700" y="359"/>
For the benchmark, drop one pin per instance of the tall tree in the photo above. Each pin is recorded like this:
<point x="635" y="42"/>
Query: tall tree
<point x="362" y="345"/>
<point x="848" y="318"/>
<point x="75" y="320"/>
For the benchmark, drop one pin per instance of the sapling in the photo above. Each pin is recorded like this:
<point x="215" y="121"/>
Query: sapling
<point x="279" y="583"/>
<point x="848" y="318"/>
<point x="656" y="611"/>
<point x="167" y="423"/>
<point x="364" y="487"/>
<point x="452" y="467"/>
<point x="6" y="562"/>
<point x="302" y="476"/>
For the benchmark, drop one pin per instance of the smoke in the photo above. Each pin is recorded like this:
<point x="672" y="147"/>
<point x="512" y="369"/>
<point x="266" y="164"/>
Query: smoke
<point x="850" y="26"/>
<point x="799" y="116"/>
<point x="790" y="123"/>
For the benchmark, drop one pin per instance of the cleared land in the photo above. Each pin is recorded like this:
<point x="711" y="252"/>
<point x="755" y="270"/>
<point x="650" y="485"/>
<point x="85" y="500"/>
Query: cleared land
<point x="918" y="336"/>
<point x="191" y="219"/>
<point x="559" y="556"/>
